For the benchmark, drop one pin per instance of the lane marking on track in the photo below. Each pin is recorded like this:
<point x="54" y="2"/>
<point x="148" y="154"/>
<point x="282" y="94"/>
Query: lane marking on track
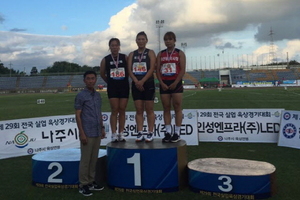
<point x="189" y="95"/>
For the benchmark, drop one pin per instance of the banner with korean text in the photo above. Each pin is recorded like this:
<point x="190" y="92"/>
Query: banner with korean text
<point x="239" y="125"/>
<point x="289" y="135"/>
<point x="33" y="135"/>
<point x="188" y="131"/>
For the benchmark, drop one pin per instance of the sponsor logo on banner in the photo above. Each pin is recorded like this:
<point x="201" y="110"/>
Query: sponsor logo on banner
<point x="289" y="135"/>
<point x="286" y="116"/>
<point x="289" y="130"/>
<point x="104" y="117"/>
<point x="21" y="140"/>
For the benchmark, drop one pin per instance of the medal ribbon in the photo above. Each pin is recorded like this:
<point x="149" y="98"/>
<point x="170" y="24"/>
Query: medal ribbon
<point x="140" y="57"/>
<point x="170" y="54"/>
<point x="115" y="62"/>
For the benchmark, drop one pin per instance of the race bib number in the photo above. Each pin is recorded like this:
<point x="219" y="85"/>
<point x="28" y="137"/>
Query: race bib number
<point x="168" y="69"/>
<point x="139" y="68"/>
<point x="117" y="73"/>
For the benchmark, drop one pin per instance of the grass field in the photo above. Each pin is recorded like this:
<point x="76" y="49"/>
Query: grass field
<point x="20" y="106"/>
<point x="16" y="172"/>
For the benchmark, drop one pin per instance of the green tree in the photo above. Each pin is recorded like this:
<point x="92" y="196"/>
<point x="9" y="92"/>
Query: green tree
<point x="33" y="71"/>
<point x="65" y="67"/>
<point x="5" y="70"/>
<point x="294" y="62"/>
<point x="96" y="68"/>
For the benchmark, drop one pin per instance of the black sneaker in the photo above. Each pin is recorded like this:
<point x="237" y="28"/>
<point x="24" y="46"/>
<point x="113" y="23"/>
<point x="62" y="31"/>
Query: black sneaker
<point x="95" y="186"/>
<point x="175" y="138"/>
<point x="85" y="190"/>
<point x="167" y="137"/>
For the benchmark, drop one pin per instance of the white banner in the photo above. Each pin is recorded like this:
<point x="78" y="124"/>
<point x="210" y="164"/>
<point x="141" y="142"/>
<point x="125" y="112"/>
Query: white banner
<point x="239" y="125"/>
<point x="289" y="135"/>
<point x="34" y="135"/>
<point x="188" y="131"/>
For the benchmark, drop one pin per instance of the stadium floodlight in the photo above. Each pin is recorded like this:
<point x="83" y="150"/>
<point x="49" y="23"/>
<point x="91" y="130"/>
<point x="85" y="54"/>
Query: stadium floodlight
<point x="159" y="25"/>
<point x="183" y="46"/>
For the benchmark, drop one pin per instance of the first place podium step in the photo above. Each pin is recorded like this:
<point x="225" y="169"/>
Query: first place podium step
<point x="141" y="167"/>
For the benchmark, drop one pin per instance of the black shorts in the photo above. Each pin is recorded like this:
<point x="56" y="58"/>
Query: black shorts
<point x="178" y="89"/>
<point x="118" y="89"/>
<point x="147" y="95"/>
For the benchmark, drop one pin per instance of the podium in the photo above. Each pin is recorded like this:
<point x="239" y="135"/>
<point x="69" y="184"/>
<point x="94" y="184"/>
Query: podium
<point x="59" y="168"/>
<point x="232" y="178"/>
<point x="153" y="167"/>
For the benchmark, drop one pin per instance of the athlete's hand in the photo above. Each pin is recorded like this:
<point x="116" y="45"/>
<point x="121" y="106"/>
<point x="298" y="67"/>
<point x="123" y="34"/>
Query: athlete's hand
<point x="139" y="85"/>
<point x="164" y="87"/>
<point x="172" y="86"/>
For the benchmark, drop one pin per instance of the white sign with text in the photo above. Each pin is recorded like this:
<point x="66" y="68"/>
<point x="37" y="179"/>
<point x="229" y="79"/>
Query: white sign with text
<point x="239" y="125"/>
<point x="34" y="135"/>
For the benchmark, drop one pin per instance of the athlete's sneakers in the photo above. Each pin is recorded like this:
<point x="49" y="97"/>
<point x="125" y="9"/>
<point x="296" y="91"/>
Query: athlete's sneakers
<point x="85" y="191"/>
<point x="175" y="138"/>
<point x="140" y="137"/>
<point x="167" y="137"/>
<point x="149" y="137"/>
<point x="95" y="186"/>
<point x="121" y="137"/>
<point x="114" y="137"/>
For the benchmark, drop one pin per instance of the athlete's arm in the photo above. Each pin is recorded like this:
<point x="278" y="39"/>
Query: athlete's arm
<point x="102" y="70"/>
<point x="182" y="67"/>
<point x="129" y="63"/>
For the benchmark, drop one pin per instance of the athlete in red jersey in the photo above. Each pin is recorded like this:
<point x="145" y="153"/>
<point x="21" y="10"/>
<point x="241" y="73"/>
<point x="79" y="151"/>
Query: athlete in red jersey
<point x="171" y="64"/>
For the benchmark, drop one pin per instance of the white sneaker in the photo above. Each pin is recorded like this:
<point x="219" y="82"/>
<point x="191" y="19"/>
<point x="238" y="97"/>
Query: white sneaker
<point x="149" y="137"/>
<point x="114" y="137"/>
<point x="140" y="137"/>
<point x="121" y="137"/>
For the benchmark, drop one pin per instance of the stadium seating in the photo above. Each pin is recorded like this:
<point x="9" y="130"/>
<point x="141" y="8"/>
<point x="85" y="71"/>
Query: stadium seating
<point x="211" y="74"/>
<point x="77" y="81"/>
<point x="190" y="78"/>
<point x="196" y="74"/>
<point x="286" y="74"/>
<point x="57" y="81"/>
<point x="238" y="75"/>
<point x="261" y="75"/>
<point x="31" y="82"/>
<point x="8" y="83"/>
<point x="255" y="76"/>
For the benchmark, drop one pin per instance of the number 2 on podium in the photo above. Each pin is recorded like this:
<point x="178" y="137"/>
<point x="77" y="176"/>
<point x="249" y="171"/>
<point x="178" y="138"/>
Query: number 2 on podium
<point x="136" y="161"/>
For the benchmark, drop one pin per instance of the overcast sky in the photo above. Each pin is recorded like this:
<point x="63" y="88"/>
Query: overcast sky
<point x="217" y="33"/>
